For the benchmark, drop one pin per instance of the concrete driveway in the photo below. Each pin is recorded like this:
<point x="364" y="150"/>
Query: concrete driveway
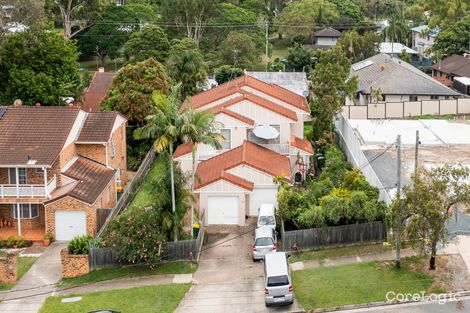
<point x="227" y="280"/>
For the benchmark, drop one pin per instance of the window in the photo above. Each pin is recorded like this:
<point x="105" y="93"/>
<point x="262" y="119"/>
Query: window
<point x="434" y="97"/>
<point x="39" y="170"/>
<point x="226" y="143"/>
<point x="276" y="281"/>
<point x="27" y="210"/>
<point x="113" y="151"/>
<point x="413" y="98"/>
<point x="21" y="175"/>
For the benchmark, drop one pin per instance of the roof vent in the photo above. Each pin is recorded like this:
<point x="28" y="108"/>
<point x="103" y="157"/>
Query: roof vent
<point x="382" y="67"/>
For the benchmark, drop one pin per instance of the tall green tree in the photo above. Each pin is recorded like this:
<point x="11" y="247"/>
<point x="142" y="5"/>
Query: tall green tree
<point x="331" y="85"/>
<point x="300" y="58"/>
<point x="239" y="50"/>
<point x="132" y="89"/>
<point x="164" y="127"/>
<point x="187" y="66"/>
<point x="26" y="12"/>
<point x="198" y="127"/>
<point x="398" y="29"/>
<point x="426" y="204"/>
<point x="359" y="47"/>
<point x="150" y="41"/>
<point x="350" y="12"/>
<point x="38" y="65"/>
<point x="454" y="39"/>
<point x="226" y="73"/>
<point x="445" y="13"/>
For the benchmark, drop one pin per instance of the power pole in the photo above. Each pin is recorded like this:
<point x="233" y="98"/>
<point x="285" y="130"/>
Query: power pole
<point x="416" y="150"/>
<point x="398" y="230"/>
<point x="267" y="42"/>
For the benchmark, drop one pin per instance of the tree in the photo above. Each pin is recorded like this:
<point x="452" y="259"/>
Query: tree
<point x="38" y="65"/>
<point x="187" y="66"/>
<point x="426" y="205"/>
<point x="398" y="29"/>
<point x="25" y="12"/>
<point x="349" y="11"/>
<point x="445" y="13"/>
<point x="198" y="127"/>
<point x="307" y="14"/>
<point x="239" y="49"/>
<point x="300" y="57"/>
<point x="226" y="73"/>
<point x="405" y="56"/>
<point x="164" y="127"/>
<point x="151" y="41"/>
<point x="72" y="10"/>
<point x="359" y="47"/>
<point x="454" y="39"/>
<point x="276" y="66"/>
<point x="189" y="16"/>
<point x="110" y="33"/>
<point x="132" y="89"/>
<point x="331" y="84"/>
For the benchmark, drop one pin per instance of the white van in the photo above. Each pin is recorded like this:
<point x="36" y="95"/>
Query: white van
<point x="277" y="280"/>
<point x="266" y="216"/>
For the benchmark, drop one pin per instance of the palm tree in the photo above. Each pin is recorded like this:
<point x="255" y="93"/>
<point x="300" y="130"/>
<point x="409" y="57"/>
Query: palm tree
<point x="164" y="127"/>
<point x="198" y="127"/>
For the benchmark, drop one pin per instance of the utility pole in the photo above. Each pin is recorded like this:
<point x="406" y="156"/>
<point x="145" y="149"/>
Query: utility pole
<point x="416" y="150"/>
<point x="267" y="42"/>
<point x="398" y="230"/>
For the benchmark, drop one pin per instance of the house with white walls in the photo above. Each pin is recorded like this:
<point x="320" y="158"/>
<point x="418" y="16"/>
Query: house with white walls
<point x="262" y="125"/>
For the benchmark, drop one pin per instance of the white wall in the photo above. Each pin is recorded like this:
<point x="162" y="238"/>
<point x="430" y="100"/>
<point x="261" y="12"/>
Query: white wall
<point x="257" y="177"/>
<point x="326" y="41"/>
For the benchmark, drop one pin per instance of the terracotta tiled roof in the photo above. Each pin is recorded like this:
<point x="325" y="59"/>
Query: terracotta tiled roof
<point x="231" y="87"/>
<point x="301" y="144"/>
<point x="97" y="127"/>
<point x="38" y="132"/>
<point x="97" y="90"/>
<point x="221" y="109"/>
<point x="248" y="153"/>
<point x="92" y="179"/>
<point x="182" y="149"/>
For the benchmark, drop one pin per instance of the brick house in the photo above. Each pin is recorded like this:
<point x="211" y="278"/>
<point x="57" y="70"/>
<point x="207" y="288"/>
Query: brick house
<point x="447" y="69"/>
<point x="58" y="165"/>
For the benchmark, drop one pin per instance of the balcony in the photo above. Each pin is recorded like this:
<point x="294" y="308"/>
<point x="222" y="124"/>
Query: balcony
<point x="28" y="191"/>
<point x="283" y="149"/>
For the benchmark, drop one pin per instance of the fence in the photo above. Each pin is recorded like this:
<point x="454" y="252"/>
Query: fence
<point x="101" y="216"/>
<point x="174" y="250"/>
<point x="352" y="148"/>
<point x="313" y="238"/>
<point x="407" y="109"/>
<point x="131" y="188"/>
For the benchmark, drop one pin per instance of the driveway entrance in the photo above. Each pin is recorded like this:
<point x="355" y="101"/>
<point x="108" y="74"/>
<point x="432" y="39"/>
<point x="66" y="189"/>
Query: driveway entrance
<point x="227" y="280"/>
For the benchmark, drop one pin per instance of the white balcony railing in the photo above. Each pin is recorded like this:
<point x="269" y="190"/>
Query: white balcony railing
<point x="283" y="149"/>
<point x="28" y="191"/>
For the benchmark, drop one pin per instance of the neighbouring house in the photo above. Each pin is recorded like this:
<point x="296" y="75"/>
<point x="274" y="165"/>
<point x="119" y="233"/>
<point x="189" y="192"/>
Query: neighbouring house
<point x="263" y="128"/>
<point x="325" y="38"/>
<point x="294" y="81"/>
<point x="58" y="167"/>
<point x="462" y="84"/>
<point x="397" y="81"/>
<point x="98" y="90"/>
<point x="450" y="67"/>
<point x="395" y="49"/>
<point x="423" y="38"/>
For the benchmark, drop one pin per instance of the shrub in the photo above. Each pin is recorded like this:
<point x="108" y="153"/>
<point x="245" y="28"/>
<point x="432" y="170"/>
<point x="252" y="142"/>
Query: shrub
<point x="314" y="216"/>
<point x="20" y="243"/>
<point x="10" y="241"/>
<point x="79" y="244"/>
<point x="48" y="236"/>
<point x="334" y="208"/>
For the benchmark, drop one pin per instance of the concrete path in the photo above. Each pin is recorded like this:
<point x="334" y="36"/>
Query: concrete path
<point x="460" y="244"/>
<point x="380" y="256"/>
<point x="36" y="285"/>
<point x="227" y="279"/>
<point x="126" y="283"/>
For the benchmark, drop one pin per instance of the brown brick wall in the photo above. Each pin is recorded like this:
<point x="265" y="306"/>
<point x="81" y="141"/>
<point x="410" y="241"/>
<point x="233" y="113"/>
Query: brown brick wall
<point x="5" y="214"/>
<point x="3" y="176"/>
<point x="73" y="265"/>
<point x="119" y="160"/>
<point x="32" y="177"/>
<point x="109" y="195"/>
<point x="9" y="269"/>
<point x="96" y="152"/>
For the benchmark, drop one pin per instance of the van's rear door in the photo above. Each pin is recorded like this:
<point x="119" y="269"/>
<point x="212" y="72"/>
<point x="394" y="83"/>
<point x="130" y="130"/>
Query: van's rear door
<point x="278" y="286"/>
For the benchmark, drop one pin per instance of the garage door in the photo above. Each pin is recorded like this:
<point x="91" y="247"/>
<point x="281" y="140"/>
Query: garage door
<point x="262" y="195"/>
<point x="69" y="224"/>
<point x="223" y="210"/>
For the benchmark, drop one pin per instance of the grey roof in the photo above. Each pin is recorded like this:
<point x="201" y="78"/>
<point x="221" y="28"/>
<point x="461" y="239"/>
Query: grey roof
<point x="328" y="32"/>
<point x="397" y="77"/>
<point x="293" y="81"/>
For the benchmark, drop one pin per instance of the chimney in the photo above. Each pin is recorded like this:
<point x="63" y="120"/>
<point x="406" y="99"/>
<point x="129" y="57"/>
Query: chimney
<point x="17" y="103"/>
<point x="101" y="70"/>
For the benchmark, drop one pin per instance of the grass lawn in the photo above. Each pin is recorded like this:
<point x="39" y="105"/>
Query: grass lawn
<point x="326" y="287"/>
<point x="448" y="117"/>
<point x="177" y="267"/>
<point x="145" y="197"/>
<point x="338" y="252"/>
<point x="149" y="299"/>
<point x="24" y="264"/>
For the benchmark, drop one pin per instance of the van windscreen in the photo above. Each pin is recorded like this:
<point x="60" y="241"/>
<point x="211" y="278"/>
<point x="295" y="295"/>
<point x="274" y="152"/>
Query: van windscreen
<point x="276" y="281"/>
<point x="266" y="220"/>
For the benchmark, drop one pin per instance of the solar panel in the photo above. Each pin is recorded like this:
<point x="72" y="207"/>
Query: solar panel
<point x="2" y="111"/>
<point x="361" y="65"/>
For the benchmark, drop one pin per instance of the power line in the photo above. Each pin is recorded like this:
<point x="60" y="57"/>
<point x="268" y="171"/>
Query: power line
<point x="378" y="156"/>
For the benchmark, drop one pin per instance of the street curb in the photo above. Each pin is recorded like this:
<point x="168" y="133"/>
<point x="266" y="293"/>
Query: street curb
<point x="387" y="303"/>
